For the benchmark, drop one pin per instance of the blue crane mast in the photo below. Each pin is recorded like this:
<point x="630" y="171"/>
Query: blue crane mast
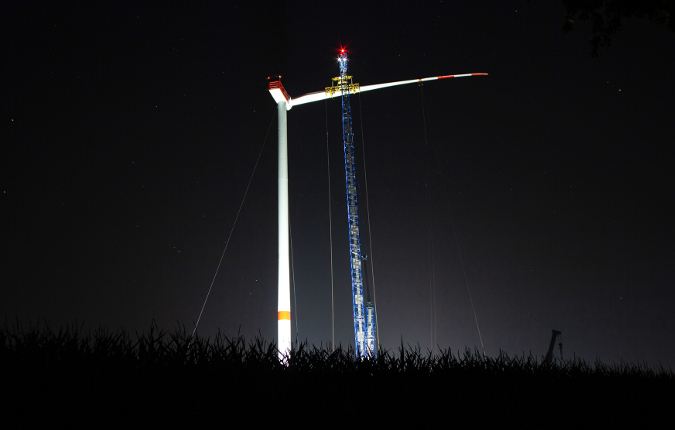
<point x="364" y="310"/>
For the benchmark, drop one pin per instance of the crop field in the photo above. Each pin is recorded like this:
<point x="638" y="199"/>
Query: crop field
<point x="158" y="379"/>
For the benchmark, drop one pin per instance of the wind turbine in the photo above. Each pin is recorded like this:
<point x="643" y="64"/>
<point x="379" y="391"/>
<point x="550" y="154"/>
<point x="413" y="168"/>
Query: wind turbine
<point x="284" y="104"/>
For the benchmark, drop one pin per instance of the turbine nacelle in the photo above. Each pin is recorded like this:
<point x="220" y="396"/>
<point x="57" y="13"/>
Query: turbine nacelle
<point x="279" y="93"/>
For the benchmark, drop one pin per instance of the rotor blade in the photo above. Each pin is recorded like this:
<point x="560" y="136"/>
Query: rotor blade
<point x="412" y="81"/>
<point x="322" y="95"/>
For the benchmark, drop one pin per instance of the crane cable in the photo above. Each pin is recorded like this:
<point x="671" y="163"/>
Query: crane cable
<point x="241" y="205"/>
<point x="370" y="237"/>
<point x="330" y="224"/>
<point x="430" y="229"/>
<point x="295" y="299"/>
<point x="452" y="222"/>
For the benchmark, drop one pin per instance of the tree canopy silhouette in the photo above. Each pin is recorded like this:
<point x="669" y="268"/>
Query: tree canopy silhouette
<point x="606" y="16"/>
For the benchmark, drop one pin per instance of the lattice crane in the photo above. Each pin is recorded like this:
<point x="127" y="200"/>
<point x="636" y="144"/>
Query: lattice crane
<point x="364" y="312"/>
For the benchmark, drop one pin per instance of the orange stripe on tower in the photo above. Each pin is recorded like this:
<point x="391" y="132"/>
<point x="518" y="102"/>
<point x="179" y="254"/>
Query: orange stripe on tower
<point x="284" y="315"/>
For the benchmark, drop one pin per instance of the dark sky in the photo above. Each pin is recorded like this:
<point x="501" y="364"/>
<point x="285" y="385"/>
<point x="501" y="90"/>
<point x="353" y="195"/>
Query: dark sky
<point x="130" y="133"/>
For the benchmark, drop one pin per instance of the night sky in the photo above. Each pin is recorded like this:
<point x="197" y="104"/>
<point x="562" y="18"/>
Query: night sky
<point x="130" y="133"/>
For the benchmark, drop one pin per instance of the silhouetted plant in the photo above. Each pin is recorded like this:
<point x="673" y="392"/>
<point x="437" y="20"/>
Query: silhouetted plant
<point x="162" y="369"/>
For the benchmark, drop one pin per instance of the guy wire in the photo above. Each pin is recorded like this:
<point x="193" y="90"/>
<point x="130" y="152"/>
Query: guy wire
<point x="330" y="224"/>
<point x="452" y="222"/>
<point x="295" y="298"/>
<point x="234" y="224"/>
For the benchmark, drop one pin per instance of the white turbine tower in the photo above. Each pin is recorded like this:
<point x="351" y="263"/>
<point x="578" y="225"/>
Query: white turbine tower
<point x="284" y="104"/>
